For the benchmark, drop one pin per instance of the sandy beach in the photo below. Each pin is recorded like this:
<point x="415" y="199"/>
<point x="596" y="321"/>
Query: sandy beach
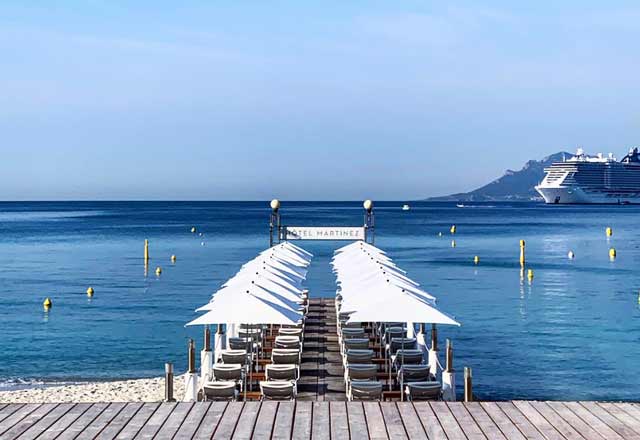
<point x="138" y="390"/>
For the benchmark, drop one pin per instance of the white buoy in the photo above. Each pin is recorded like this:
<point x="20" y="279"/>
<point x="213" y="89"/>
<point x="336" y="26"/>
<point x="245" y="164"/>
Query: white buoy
<point x="571" y="255"/>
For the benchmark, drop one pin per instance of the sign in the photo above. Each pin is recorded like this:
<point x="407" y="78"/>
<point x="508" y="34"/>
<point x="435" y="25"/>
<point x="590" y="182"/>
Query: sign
<point x="322" y="233"/>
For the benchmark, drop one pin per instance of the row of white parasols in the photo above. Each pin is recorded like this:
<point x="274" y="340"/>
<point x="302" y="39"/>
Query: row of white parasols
<point x="374" y="289"/>
<point x="266" y="290"/>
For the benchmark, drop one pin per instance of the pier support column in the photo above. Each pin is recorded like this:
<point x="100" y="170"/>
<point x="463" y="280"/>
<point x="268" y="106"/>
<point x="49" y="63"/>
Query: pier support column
<point x="449" y="377"/>
<point x="219" y="343"/>
<point x="411" y="331"/>
<point x="421" y="339"/>
<point x="433" y="352"/>
<point x="206" y="357"/>
<point x="191" y="378"/>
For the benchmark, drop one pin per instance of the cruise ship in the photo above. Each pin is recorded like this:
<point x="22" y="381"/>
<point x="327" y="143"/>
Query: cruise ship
<point x="593" y="179"/>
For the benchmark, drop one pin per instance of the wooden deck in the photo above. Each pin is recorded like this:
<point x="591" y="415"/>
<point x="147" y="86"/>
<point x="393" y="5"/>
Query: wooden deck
<point x="321" y="373"/>
<point x="322" y="420"/>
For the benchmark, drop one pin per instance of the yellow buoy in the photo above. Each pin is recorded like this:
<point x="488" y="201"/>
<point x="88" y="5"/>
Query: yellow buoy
<point x="453" y="243"/>
<point x="146" y="251"/>
<point x="609" y="232"/>
<point x="193" y="229"/>
<point x="47" y="303"/>
<point x="90" y="291"/>
<point x="173" y="258"/>
<point x="522" y="258"/>
<point x="612" y="253"/>
<point x="158" y="270"/>
<point x="476" y="259"/>
<point x="453" y="229"/>
<point x="439" y="234"/>
<point x="530" y="274"/>
<point x="571" y="255"/>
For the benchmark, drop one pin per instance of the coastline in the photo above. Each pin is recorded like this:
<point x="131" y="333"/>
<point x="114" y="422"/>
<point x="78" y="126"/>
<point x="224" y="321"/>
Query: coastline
<point x="132" y="390"/>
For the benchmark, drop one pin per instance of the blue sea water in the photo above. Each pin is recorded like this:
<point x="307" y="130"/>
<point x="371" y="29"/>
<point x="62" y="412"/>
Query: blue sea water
<point x="573" y="332"/>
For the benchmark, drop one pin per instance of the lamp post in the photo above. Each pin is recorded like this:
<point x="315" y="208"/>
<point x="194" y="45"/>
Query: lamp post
<point x="369" y="222"/>
<point x="274" y="220"/>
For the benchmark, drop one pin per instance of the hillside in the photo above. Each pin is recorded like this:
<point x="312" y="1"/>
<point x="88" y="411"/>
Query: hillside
<point x="512" y="186"/>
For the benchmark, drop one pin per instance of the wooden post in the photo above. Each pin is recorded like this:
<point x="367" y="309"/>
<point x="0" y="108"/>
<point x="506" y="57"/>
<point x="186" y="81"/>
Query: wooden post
<point x="207" y="338"/>
<point x="146" y="251"/>
<point x="434" y="338"/>
<point x="168" y="382"/>
<point x="468" y="386"/>
<point x="192" y="356"/>
<point x="449" y="354"/>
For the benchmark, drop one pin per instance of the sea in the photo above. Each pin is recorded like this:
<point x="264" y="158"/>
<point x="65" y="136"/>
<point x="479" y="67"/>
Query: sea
<point x="570" y="332"/>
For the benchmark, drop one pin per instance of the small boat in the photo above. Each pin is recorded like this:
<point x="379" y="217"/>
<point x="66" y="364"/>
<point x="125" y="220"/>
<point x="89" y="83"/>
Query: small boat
<point x="460" y="205"/>
<point x="405" y="207"/>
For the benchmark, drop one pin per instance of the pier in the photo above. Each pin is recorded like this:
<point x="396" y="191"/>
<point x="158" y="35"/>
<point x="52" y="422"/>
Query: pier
<point x="321" y="412"/>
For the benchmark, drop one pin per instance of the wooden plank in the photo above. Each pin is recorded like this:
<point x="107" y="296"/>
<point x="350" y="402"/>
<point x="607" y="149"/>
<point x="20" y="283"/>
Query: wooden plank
<point x="135" y="423"/>
<point x="621" y="415"/>
<point x="45" y="422"/>
<point x="116" y="424"/>
<point x="339" y="420"/>
<point x="284" y="421"/>
<point x="73" y="430"/>
<point x="156" y="421"/>
<point x="357" y="421"/>
<point x="593" y="421"/>
<point x="193" y="420"/>
<point x="392" y="420"/>
<point x="520" y="421"/>
<point x="9" y="409"/>
<point x="466" y="422"/>
<point x="99" y="423"/>
<point x="229" y="420"/>
<point x="429" y="421"/>
<point x="174" y="421"/>
<point x="244" y="428"/>
<point x="211" y="420"/>
<point x="609" y="420"/>
<point x="32" y="420"/>
<point x="302" y="420"/>
<point x="265" y="421"/>
<point x="375" y="420"/>
<point x="630" y="408"/>
<point x="65" y="421"/>
<point x="447" y="421"/>
<point x="321" y="427"/>
<point x="486" y="424"/>
<point x="411" y="421"/>
<point x="502" y="421"/>
<point x="541" y="424"/>
<point x="558" y="422"/>
<point x="576" y="422"/>
<point x="16" y="416"/>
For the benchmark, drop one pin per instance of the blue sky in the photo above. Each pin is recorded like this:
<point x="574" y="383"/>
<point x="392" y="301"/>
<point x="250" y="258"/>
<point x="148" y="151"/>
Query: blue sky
<point x="305" y="100"/>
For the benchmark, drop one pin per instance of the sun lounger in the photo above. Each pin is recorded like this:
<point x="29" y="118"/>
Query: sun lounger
<point x="291" y="342"/>
<point x="431" y="390"/>
<point x="227" y="372"/>
<point x="414" y="373"/>
<point x="220" y="391"/>
<point x="285" y="356"/>
<point x="234" y="357"/>
<point x="272" y="390"/>
<point x="365" y="390"/>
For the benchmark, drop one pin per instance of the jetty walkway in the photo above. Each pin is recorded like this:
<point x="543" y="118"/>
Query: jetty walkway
<point x="321" y="412"/>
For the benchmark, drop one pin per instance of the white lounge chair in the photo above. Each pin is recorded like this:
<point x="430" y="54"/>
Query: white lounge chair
<point x="220" y="391"/>
<point x="273" y="390"/>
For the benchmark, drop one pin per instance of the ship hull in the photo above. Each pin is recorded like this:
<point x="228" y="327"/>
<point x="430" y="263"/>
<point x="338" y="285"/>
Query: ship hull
<point x="568" y="195"/>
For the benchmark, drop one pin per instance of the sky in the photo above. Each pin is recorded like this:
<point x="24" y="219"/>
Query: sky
<point x="303" y="100"/>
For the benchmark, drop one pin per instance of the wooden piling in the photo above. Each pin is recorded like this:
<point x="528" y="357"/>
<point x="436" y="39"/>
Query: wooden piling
<point x="468" y="385"/>
<point x="449" y="354"/>
<point x="192" y="356"/>
<point x="168" y="382"/>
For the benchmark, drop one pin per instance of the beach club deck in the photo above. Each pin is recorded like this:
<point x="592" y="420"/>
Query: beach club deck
<point x="321" y="412"/>
<point x="322" y="420"/>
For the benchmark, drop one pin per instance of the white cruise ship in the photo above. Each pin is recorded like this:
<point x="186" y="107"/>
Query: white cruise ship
<point x="593" y="179"/>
